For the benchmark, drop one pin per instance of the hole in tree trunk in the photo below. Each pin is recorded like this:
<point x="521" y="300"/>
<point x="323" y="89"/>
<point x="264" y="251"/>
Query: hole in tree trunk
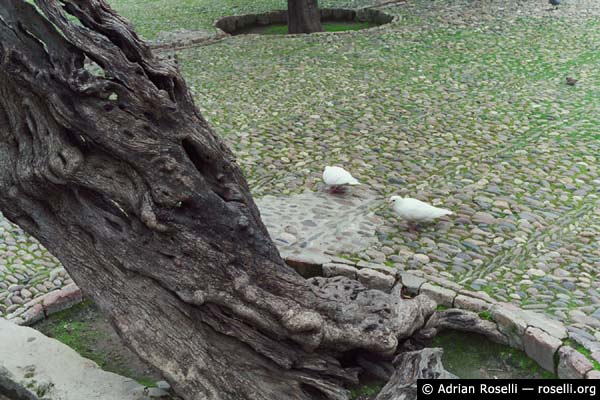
<point x="313" y="392"/>
<point x="205" y="167"/>
<point x="193" y="154"/>
<point x="62" y="158"/>
<point x="26" y="222"/>
<point x="113" y="225"/>
<point x="371" y="377"/>
<point x="94" y="68"/>
<point x="151" y="117"/>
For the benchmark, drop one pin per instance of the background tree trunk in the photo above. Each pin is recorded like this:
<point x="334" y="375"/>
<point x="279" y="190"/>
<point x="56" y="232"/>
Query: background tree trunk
<point x="105" y="159"/>
<point x="304" y="16"/>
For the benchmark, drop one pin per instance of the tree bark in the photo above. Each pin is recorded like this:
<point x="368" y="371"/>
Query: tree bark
<point x="304" y="16"/>
<point x="411" y="366"/>
<point x="462" y="321"/>
<point x="105" y="159"/>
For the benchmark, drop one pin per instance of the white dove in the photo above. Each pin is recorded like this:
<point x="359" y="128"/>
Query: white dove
<point x="416" y="211"/>
<point x="338" y="178"/>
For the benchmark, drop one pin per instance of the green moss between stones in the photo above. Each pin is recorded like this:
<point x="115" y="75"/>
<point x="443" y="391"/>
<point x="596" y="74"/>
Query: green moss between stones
<point x="486" y="315"/>
<point x="581" y="349"/>
<point x="366" y="391"/>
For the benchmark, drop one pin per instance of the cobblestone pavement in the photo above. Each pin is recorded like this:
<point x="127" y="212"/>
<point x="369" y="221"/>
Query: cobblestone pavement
<point x="321" y="222"/>
<point x="27" y="270"/>
<point x="460" y="103"/>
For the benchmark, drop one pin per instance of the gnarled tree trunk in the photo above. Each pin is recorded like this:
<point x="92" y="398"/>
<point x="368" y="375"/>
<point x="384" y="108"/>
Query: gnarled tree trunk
<point x="106" y="160"/>
<point x="304" y="16"/>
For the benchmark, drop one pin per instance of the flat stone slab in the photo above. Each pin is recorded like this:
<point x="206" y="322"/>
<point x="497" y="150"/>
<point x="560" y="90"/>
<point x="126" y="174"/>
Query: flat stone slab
<point x="384" y="269"/>
<point x="593" y="375"/>
<point x="411" y="283"/>
<point x="541" y="347"/>
<point x="62" y="299"/>
<point x="333" y="269"/>
<point x="546" y="324"/>
<point x="375" y="280"/>
<point x="38" y="363"/>
<point x="308" y="264"/>
<point x="510" y="322"/>
<point x="513" y="321"/>
<point x="442" y="296"/>
<point x="572" y="364"/>
<point x="471" y="303"/>
<point x="321" y="222"/>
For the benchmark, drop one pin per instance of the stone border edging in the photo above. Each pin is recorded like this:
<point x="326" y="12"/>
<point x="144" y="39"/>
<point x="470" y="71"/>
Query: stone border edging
<point x="229" y="24"/>
<point x="202" y="39"/>
<point x="43" y="306"/>
<point x="543" y="339"/>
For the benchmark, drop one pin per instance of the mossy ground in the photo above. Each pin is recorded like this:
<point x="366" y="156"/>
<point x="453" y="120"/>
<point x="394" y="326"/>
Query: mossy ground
<point x="87" y="331"/>
<point x="366" y="391"/>
<point x="472" y="356"/>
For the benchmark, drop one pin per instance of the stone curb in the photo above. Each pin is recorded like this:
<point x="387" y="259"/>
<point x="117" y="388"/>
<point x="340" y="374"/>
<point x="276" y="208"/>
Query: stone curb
<point x="203" y="40"/>
<point x="232" y="23"/>
<point x="46" y="305"/>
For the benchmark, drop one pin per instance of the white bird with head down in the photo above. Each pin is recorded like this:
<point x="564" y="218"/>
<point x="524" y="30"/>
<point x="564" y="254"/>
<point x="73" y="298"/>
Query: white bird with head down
<point x="416" y="211"/>
<point x="338" y="178"/>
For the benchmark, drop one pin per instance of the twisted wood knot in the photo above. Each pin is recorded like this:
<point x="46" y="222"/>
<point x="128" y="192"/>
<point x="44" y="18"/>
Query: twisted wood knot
<point x="196" y="297"/>
<point x="303" y="321"/>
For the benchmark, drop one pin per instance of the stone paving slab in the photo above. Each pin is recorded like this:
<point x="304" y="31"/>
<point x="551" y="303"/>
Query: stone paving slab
<point x="47" y="368"/>
<point x="541" y="347"/>
<point x="572" y="364"/>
